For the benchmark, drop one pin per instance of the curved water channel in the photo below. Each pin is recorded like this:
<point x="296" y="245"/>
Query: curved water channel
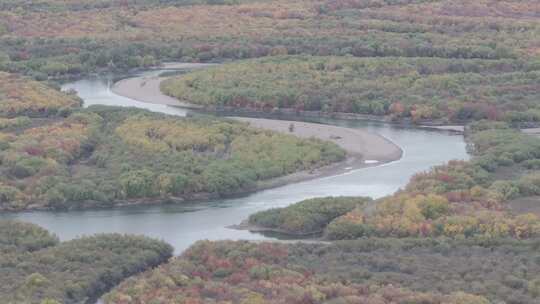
<point x="183" y="224"/>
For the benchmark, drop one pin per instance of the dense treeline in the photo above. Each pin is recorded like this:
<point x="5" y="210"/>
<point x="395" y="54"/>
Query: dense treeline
<point x="78" y="5"/>
<point x="363" y="271"/>
<point x="35" y="268"/>
<point x="51" y="38"/>
<point x="104" y="156"/>
<point x="416" y="89"/>
<point x="459" y="200"/>
<point x="306" y="217"/>
<point x="20" y="96"/>
<point x="16" y="237"/>
<point x="444" y="60"/>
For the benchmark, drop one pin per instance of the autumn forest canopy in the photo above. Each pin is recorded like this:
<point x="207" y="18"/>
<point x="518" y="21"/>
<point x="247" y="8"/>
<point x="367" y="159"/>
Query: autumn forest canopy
<point x="61" y="38"/>
<point x="453" y="234"/>
<point x="37" y="268"/>
<point x="55" y="155"/>
<point x="415" y="89"/>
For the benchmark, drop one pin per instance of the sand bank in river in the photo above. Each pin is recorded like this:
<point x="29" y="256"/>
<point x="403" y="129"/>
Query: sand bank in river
<point x="364" y="149"/>
<point x="143" y="89"/>
<point x="355" y="141"/>
<point x="372" y="147"/>
<point x="146" y="88"/>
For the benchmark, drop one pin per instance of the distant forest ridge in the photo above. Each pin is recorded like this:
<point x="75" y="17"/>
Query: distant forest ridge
<point x="57" y="38"/>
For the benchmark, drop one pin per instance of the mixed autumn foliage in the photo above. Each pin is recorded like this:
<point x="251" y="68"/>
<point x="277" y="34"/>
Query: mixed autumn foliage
<point x="381" y="271"/>
<point x="461" y="199"/>
<point x="104" y="156"/>
<point x="448" y="237"/>
<point x="415" y="89"/>
<point x="53" y="38"/>
<point x="21" y="97"/>
<point x="307" y="217"/>
<point x="37" y="268"/>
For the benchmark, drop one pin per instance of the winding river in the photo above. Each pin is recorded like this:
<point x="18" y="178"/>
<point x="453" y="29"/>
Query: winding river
<point x="183" y="224"/>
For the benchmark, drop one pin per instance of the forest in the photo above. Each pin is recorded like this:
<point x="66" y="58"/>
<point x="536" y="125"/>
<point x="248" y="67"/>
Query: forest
<point x="21" y="99"/>
<point x="307" y="217"/>
<point x="458" y="200"/>
<point x="382" y="271"/>
<point x="55" y="39"/>
<point x="36" y="268"/>
<point x="411" y="89"/>
<point x="55" y="155"/>
<point x="451" y="235"/>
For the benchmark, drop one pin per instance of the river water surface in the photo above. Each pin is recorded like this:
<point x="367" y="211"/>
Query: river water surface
<point x="183" y="224"/>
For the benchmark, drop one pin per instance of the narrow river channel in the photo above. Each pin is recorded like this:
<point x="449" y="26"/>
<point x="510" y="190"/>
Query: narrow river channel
<point x="183" y="224"/>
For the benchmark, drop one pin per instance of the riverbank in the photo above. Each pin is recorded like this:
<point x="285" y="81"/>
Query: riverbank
<point x="373" y="148"/>
<point x="359" y="144"/>
<point x="183" y="223"/>
<point x="147" y="89"/>
<point x="364" y="149"/>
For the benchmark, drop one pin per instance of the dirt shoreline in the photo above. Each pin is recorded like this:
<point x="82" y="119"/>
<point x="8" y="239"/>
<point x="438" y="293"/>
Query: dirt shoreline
<point x="147" y="89"/>
<point x="372" y="147"/>
<point x="350" y="164"/>
<point x="531" y="131"/>
<point x="364" y="149"/>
